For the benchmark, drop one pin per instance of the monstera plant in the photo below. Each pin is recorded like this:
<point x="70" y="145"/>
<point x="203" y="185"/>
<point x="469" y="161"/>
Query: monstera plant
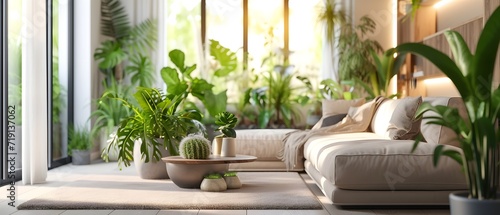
<point x="472" y="74"/>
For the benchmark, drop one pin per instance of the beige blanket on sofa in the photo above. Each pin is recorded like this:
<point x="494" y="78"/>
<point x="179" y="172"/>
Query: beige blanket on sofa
<point x="358" y="119"/>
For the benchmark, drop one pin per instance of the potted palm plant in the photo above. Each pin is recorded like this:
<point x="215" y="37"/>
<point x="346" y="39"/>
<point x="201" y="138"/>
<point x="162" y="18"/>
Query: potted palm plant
<point x="79" y="144"/>
<point x="226" y="122"/>
<point x="153" y="131"/>
<point x="479" y="136"/>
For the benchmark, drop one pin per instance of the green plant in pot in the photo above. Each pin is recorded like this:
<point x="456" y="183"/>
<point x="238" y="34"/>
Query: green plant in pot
<point x="479" y="136"/>
<point x="154" y="127"/>
<point x="224" y="144"/>
<point x="79" y="145"/>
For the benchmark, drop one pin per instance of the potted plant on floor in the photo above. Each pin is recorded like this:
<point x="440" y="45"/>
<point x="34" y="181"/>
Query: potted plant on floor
<point x="79" y="144"/>
<point x="479" y="137"/>
<point x="226" y="122"/>
<point x="154" y="127"/>
<point x="213" y="183"/>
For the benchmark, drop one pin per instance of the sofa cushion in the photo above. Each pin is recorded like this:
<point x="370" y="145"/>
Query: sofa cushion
<point x="265" y="144"/>
<point x="332" y="107"/>
<point x="438" y="134"/>
<point x="367" y="161"/>
<point x="394" y="118"/>
<point x="403" y="125"/>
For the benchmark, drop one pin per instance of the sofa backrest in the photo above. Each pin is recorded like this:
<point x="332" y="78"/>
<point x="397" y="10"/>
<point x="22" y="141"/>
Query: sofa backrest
<point x="440" y="134"/>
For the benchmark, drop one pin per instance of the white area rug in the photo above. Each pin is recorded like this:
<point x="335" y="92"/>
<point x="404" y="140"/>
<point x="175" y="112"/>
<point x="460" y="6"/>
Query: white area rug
<point x="261" y="190"/>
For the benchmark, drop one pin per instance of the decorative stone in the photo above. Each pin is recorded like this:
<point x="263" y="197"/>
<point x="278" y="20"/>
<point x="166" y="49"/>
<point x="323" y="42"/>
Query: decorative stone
<point x="213" y="185"/>
<point x="232" y="182"/>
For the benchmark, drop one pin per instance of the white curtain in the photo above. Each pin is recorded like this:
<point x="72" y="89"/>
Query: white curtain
<point x="34" y="95"/>
<point x="330" y="64"/>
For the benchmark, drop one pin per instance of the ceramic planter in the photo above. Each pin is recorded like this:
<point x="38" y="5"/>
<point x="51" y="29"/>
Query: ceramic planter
<point x="152" y="169"/>
<point x="460" y="204"/>
<point x="80" y="157"/>
<point x="228" y="147"/>
<point x="232" y="182"/>
<point x="213" y="185"/>
<point x="217" y="146"/>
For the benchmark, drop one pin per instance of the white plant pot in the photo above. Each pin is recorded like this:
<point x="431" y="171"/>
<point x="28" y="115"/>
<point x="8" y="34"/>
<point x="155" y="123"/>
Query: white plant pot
<point x="152" y="169"/>
<point x="217" y="145"/>
<point x="213" y="185"/>
<point x="228" y="147"/>
<point x="460" y="204"/>
<point x="232" y="182"/>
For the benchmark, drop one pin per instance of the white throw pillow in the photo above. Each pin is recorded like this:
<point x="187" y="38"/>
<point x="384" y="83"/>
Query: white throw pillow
<point x="403" y="125"/>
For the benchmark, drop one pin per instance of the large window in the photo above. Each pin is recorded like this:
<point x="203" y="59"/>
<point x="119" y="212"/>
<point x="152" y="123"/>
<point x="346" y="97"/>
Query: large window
<point x="262" y="33"/>
<point x="59" y="52"/>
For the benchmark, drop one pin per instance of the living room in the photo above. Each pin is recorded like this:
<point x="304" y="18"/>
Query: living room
<point x="322" y="97"/>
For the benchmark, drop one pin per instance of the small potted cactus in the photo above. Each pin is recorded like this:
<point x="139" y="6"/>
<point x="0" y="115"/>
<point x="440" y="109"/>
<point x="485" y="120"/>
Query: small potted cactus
<point x="213" y="183"/>
<point x="226" y="122"/>
<point x="194" y="147"/>
<point x="232" y="180"/>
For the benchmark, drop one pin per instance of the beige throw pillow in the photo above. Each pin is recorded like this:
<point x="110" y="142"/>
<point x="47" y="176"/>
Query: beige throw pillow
<point x="335" y="107"/>
<point x="403" y="125"/>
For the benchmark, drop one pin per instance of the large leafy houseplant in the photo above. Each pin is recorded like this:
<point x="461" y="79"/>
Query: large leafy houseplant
<point x="472" y="75"/>
<point x="155" y="116"/>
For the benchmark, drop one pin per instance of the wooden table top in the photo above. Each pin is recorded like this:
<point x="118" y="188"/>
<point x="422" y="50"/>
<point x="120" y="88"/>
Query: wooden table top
<point x="214" y="159"/>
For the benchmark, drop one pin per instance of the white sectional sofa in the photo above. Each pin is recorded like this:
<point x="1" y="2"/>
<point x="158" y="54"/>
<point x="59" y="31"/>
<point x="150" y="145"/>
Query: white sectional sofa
<point x="367" y="168"/>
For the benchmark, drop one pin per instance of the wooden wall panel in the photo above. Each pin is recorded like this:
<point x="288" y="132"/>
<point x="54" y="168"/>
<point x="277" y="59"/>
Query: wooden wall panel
<point x="437" y="41"/>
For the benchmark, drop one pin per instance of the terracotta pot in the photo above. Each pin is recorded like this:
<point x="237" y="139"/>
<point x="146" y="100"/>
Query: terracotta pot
<point x="213" y="185"/>
<point x="217" y="146"/>
<point x="460" y="204"/>
<point x="228" y="147"/>
<point x="232" y="182"/>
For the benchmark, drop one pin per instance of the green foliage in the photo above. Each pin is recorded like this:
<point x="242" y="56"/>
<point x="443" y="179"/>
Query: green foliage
<point x="472" y="75"/>
<point x="387" y="66"/>
<point x="226" y="122"/>
<point x="126" y="42"/>
<point x="226" y="58"/>
<point x="79" y="138"/>
<point x="141" y="68"/>
<point x="111" y="111"/>
<point x="355" y="50"/>
<point x="331" y="89"/>
<point x="194" y="147"/>
<point x="230" y="174"/>
<point x="330" y="17"/>
<point x="213" y="176"/>
<point x="154" y="116"/>
<point x="180" y="82"/>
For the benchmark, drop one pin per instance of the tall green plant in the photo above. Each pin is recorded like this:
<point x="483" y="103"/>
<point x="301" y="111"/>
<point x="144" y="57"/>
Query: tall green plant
<point x="472" y="75"/>
<point x="154" y="116"/>
<point x="180" y="81"/>
<point x="356" y="49"/>
<point x="126" y="42"/>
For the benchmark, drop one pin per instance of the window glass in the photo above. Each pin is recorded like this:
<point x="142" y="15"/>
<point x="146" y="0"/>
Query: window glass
<point x="305" y="37"/>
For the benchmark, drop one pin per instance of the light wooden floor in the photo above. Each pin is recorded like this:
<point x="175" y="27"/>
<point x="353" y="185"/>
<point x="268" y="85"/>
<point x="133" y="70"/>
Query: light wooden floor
<point x="62" y="175"/>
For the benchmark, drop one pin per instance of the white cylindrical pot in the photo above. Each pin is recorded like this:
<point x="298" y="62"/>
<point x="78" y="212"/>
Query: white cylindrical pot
<point x="460" y="204"/>
<point x="152" y="169"/>
<point x="228" y="147"/>
<point x="217" y="146"/>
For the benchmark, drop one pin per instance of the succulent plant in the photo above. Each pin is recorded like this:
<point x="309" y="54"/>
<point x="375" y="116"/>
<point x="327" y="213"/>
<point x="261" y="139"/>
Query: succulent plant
<point x="194" y="147"/>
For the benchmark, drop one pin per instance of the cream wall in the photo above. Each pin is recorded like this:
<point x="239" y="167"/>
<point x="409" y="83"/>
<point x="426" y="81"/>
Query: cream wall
<point x="381" y="11"/>
<point x="457" y="12"/>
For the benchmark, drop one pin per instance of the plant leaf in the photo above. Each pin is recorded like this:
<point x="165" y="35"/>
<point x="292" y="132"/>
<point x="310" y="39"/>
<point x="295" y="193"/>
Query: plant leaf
<point x="226" y="58"/>
<point x="177" y="57"/>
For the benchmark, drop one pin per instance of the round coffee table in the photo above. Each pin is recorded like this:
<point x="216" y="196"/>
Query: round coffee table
<point x="188" y="173"/>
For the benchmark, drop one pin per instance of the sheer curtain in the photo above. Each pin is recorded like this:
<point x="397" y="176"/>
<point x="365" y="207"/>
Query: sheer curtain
<point x="34" y="96"/>
<point x="330" y="64"/>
